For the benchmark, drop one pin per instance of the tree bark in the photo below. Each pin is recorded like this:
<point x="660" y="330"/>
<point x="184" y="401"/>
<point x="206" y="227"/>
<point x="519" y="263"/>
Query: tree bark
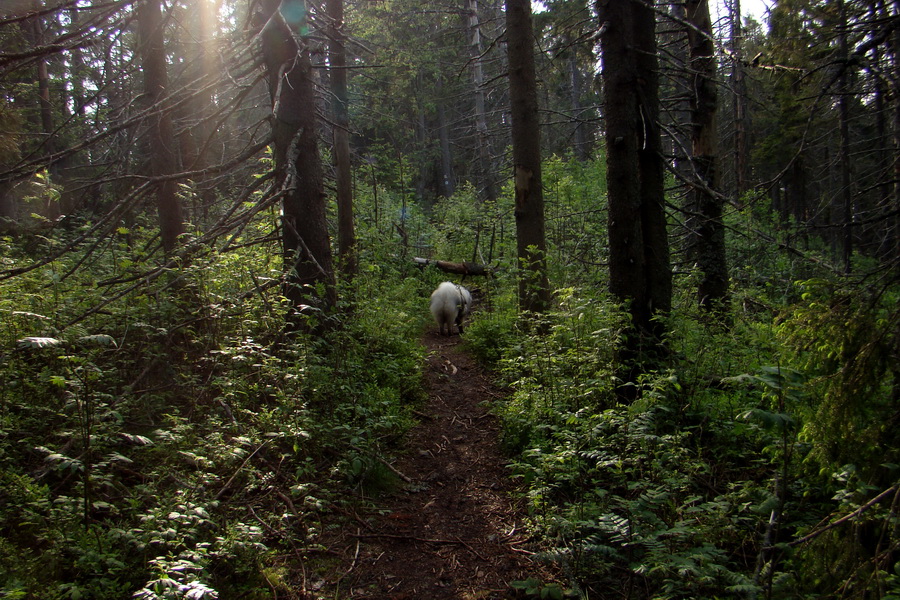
<point x="706" y="232"/>
<point x="160" y="132"/>
<point x="846" y="195"/>
<point x="640" y="275"/>
<point x="680" y="111"/>
<point x="895" y="200"/>
<point x="447" y="184"/>
<point x="337" y="56"/>
<point x="44" y="122"/>
<point x="463" y="268"/>
<point x="534" y="286"/>
<point x="309" y="276"/>
<point x="484" y="169"/>
<point x="652" y="171"/>
<point x="739" y="93"/>
<point x="576" y="88"/>
<point x="36" y="25"/>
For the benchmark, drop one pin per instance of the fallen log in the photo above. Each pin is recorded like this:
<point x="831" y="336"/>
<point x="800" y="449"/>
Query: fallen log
<point x="462" y="268"/>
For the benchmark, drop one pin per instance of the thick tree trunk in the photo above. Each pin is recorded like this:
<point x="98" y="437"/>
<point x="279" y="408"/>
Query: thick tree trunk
<point x="160" y="132"/>
<point x="706" y="231"/>
<point x="652" y="171"/>
<point x="640" y="275"/>
<point x="309" y="276"/>
<point x="534" y="286"/>
<point x="623" y="133"/>
<point x="337" y="56"/>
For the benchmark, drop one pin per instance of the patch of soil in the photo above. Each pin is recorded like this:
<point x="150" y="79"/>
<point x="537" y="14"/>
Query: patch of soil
<point x="454" y="530"/>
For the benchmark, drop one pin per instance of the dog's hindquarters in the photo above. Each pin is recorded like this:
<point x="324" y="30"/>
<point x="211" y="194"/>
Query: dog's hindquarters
<point x="449" y="304"/>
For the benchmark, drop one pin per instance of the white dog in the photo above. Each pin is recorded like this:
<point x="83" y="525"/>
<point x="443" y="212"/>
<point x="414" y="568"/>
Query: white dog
<point x="449" y="304"/>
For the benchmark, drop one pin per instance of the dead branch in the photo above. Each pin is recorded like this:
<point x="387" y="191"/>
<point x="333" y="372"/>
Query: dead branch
<point x="461" y="268"/>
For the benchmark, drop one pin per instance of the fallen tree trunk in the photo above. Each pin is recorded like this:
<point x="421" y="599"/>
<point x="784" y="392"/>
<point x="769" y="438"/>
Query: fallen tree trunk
<point x="463" y="268"/>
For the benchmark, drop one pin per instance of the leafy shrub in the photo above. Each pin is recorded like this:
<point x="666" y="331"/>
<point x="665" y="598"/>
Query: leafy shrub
<point x="137" y="441"/>
<point x="697" y="488"/>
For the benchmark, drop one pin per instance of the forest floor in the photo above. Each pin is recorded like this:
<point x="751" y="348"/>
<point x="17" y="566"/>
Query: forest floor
<point x="455" y="529"/>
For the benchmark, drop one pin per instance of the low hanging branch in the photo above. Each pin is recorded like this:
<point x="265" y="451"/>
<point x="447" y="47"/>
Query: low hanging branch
<point x="845" y="518"/>
<point x="462" y="268"/>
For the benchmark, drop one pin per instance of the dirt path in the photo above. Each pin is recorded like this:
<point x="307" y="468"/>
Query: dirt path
<point x="454" y="531"/>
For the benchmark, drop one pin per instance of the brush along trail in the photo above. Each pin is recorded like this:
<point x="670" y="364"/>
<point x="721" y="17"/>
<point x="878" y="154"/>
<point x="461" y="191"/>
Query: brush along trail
<point x="454" y="529"/>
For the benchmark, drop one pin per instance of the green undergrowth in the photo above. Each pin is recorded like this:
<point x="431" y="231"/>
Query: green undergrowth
<point x="175" y="444"/>
<point x="161" y="437"/>
<point x="705" y="487"/>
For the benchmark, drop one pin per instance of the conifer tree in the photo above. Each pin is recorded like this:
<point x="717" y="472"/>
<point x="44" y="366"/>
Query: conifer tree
<point x="534" y="286"/>
<point x="309" y="277"/>
<point x="640" y="275"/>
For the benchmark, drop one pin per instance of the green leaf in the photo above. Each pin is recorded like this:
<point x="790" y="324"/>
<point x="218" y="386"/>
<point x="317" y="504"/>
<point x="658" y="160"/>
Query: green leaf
<point x="99" y="339"/>
<point x="22" y="313"/>
<point x="768" y="420"/>
<point x="137" y="440"/>
<point x="38" y="342"/>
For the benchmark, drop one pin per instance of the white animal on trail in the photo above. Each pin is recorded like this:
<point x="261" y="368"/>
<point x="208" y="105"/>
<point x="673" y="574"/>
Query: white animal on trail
<point x="449" y="304"/>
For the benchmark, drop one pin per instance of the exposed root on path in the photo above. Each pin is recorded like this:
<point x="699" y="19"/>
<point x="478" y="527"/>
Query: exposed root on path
<point x="455" y="530"/>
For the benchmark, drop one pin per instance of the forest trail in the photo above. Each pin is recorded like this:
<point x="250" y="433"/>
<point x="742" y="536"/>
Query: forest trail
<point x="454" y="531"/>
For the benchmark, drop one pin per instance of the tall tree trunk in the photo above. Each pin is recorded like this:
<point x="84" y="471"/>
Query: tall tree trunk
<point x="309" y="276"/>
<point x="160" y="132"/>
<point x="35" y="34"/>
<point x="576" y="86"/>
<point x="652" y="170"/>
<point x="75" y="173"/>
<point x="680" y="113"/>
<point x="846" y="194"/>
<point x="423" y="174"/>
<point x="640" y="275"/>
<point x="534" y="286"/>
<point x="198" y="129"/>
<point x="706" y="231"/>
<point x="878" y="235"/>
<point x="43" y="76"/>
<point x="739" y="92"/>
<point x="337" y="56"/>
<point x="895" y="63"/>
<point x="447" y="184"/>
<point x="484" y="169"/>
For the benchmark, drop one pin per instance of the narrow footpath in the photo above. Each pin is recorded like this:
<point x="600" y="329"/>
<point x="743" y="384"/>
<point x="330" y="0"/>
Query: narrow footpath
<point x="454" y="530"/>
